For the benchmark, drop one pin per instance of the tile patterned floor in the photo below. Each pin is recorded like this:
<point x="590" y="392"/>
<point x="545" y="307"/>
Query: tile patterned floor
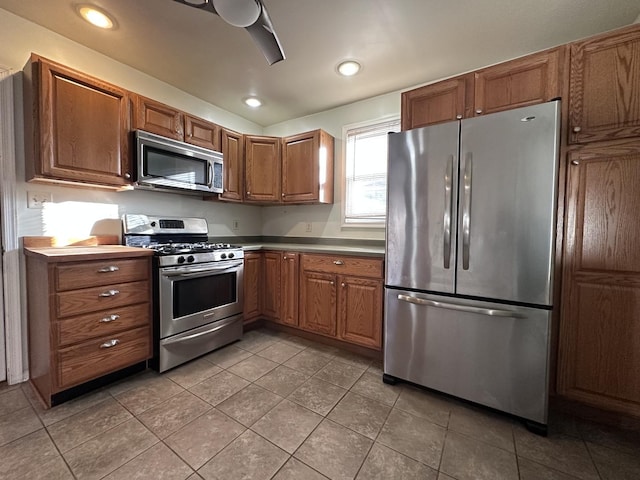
<point x="274" y="406"/>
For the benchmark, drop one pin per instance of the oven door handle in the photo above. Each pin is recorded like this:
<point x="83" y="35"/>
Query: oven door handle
<point x="217" y="327"/>
<point x="200" y="272"/>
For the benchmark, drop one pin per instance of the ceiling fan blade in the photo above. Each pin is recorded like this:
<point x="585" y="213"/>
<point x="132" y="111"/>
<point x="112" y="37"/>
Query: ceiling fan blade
<point x="265" y="36"/>
<point x="261" y="31"/>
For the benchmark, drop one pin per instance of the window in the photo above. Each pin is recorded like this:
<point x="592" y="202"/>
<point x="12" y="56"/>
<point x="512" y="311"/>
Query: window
<point x="365" y="199"/>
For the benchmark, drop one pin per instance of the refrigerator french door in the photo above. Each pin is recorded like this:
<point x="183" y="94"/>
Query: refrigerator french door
<point x="469" y="257"/>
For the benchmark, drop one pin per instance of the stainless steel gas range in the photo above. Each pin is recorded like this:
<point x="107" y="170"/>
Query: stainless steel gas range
<point x="198" y="291"/>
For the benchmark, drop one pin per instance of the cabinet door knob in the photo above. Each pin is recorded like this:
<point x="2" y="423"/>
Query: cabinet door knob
<point x="110" y="268"/>
<point x="479" y="111"/>
<point x="575" y="162"/>
<point x="110" y="343"/>
<point x="343" y="285"/>
<point x="109" y="293"/>
<point x="283" y="194"/>
<point x="284" y="258"/>
<point x="127" y="176"/>
<point x="338" y="262"/>
<point x="110" y="318"/>
<point x="576" y="129"/>
<point x="248" y="193"/>
<point x="332" y="282"/>
<point x="458" y="117"/>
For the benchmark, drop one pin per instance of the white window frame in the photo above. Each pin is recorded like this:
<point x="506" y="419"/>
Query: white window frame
<point x="380" y="224"/>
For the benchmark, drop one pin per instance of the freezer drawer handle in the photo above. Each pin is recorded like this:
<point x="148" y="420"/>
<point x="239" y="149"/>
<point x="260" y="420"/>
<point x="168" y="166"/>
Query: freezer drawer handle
<point x="466" y="212"/>
<point x="448" y="179"/>
<point x="461" y="308"/>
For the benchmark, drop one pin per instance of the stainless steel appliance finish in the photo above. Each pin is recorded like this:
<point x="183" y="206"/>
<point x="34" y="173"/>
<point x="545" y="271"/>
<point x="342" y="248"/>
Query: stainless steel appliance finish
<point x="167" y="164"/>
<point x="469" y="260"/>
<point x="198" y="287"/>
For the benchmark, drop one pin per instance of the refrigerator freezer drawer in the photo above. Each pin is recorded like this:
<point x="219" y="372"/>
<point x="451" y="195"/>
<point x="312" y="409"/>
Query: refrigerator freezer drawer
<point x="492" y="354"/>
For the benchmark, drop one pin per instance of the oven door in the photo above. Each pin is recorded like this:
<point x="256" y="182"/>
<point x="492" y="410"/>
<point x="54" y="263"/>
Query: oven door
<point x="194" y="295"/>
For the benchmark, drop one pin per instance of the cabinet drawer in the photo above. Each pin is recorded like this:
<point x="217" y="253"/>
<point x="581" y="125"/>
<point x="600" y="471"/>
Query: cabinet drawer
<point x="95" y="358"/>
<point x="88" y="274"/>
<point x="105" y="297"/>
<point x="98" y="324"/>
<point x="338" y="264"/>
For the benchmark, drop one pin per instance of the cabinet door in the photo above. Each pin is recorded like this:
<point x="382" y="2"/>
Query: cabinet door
<point x="518" y="83"/>
<point x="262" y="168"/>
<point x="289" y="310"/>
<point x="158" y="118"/>
<point x="271" y="297"/>
<point x="307" y="168"/>
<point x="436" y="103"/>
<point x="232" y="148"/>
<point x="600" y="325"/>
<point x="81" y="127"/>
<point x="318" y="302"/>
<point x="604" y="98"/>
<point x="252" y="275"/>
<point x="202" y="133"/>
<point x="360" y="311"/>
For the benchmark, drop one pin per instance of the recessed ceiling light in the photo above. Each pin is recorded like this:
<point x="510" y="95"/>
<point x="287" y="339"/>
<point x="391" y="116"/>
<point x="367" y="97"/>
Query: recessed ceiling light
<point x="96" y="16"/>
<point x="253" y="102"/>
<point x="349" y="68"/>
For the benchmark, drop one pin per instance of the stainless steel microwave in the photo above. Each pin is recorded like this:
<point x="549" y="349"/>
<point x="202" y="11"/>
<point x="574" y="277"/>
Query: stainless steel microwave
<point x="167" y="164"/>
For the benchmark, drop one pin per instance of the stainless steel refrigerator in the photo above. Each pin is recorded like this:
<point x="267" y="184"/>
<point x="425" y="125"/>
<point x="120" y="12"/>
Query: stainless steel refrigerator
<point x="469" y="258"/>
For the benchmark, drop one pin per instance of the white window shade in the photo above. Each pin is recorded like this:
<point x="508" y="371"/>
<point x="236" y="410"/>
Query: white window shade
<point x="366" y="172"/>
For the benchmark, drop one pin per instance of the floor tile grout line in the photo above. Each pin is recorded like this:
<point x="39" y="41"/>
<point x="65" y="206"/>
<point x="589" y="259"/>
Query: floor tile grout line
<point x="595" y="465"/>
<point x="60" y="453"/>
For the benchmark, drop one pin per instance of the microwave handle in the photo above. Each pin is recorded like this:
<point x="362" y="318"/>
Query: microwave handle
<point x="210" y="183"/>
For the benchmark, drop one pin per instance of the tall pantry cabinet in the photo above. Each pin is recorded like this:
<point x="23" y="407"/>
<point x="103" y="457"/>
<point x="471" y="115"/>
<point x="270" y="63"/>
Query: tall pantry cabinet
<point x="599" y="338"/>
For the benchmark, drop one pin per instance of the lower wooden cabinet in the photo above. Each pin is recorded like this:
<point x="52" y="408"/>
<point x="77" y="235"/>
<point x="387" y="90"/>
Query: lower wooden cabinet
<point x="271" y="285"/>
<point x="89" y="315"/>
<point x="599" y="348"/>
<point x="341" y="296"/>
<point x="289" y="285"/>
<point x="252" y="282"/>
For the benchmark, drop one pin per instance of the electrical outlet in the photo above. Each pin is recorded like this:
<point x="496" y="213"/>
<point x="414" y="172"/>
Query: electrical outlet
<point x="235" y="225"/>
<point x="38" y="199"/>
<point x="307" y="227"/>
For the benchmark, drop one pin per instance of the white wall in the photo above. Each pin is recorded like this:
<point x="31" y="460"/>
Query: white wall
<point x="326" y="219"/>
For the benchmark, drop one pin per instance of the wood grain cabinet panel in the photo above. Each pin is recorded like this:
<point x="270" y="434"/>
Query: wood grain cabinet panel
<point x="252" y="283"/>
<point x="289" y="287"/>
<point x="155" y="117"/>
<point x="318" y="302"/>
<point x="272" y="281"/>
<point x="78" y="332"/>
<point x="600" y="326"/>
<point x="604" y="98"/>
<point x="307" y="168"/>
<point x="76" y="127"/>
<point x="360" y="311"/>
<point x="202" y="133"/>
<point x="517" y="83"/>
<point x="232" y="148"/>
<point x="262" y="169"/>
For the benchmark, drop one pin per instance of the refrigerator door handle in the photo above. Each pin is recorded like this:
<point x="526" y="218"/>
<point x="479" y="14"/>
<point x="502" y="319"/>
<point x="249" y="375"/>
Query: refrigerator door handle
<point x="448" y="182"/>
<point x="460" y="308"/>
<point x="466" y="211"/>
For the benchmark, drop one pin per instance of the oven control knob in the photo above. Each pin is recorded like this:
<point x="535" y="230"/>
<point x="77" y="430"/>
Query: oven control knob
<point x="153" y="224"/>
<point x="181" y="260"/>
<point x="223" y="255"/>
<point x="231" y="255"/>
<point x="190" y="259"/>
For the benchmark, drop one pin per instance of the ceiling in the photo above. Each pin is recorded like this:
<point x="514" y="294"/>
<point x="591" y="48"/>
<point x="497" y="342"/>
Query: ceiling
<point x="401" y="43"/>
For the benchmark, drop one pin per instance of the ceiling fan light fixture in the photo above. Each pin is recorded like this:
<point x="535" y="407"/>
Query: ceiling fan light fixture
<point x="253" y="102"/>
<point x="239" y="13"/>
<point x="96" y="16"/>
<point x="348" y="68"/>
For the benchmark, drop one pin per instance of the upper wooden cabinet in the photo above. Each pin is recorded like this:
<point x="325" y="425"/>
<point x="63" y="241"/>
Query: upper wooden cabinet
<point x="158" y="118"/>
<point x="517" y="83"/>
<point x="76" y="127"/>
<point x="262" y="168"/>
<point x="436" y="103"/>
<point x="155" y="117"/>
<point x="201" y="132"/>
<point x="604" y="97"/>
<point x="232" y="148"/>
<point x="307" y="168"/>
<point x="524" y="81"/>
<point x="599" y="338"/>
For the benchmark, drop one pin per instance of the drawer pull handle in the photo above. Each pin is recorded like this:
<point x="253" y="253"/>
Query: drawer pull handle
<point x="109" y="293"/>
<point x="338" y="262"/>
<point x="110" y="268"/>
<point x="110" y="343"/>
<point x="109" y="319"/>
